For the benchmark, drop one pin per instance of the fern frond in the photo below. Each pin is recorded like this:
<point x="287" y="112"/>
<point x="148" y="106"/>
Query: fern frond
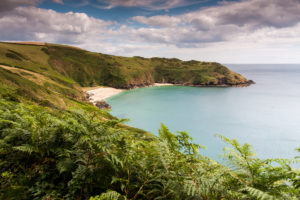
<point x="27" y="148"/>
<point x="109" y="195"/>
<point x="258" y="194"/>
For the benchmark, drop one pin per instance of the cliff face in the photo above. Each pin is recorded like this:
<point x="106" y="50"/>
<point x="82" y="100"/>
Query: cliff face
<point x="68" y="64"/>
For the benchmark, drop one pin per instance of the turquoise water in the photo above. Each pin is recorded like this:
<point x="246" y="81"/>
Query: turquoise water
<point x="266" y="115"/>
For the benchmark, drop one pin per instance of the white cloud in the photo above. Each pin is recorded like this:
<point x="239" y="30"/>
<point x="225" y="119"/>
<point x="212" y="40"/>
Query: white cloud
<point x="221" y="23"/>
<point x="162" y="20"/>
<point x="254" y="13"/>
<point x="247" y="31"/>
<point x="30" y="23"/>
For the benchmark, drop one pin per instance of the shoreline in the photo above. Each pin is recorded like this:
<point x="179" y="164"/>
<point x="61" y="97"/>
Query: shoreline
<point x="100" y="93"/>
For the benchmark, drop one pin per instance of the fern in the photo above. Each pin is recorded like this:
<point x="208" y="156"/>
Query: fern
<point x="76" y="154"/>
<point x="258" y="194"/>
<point x="109" y="195"/>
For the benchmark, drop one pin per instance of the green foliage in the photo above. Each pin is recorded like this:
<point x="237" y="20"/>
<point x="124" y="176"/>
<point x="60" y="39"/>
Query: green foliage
<point x="181" y="142"/>
<point x="258" y="194"/>
<point x="56" y="154"/>
<point x="109" y="195"/>
<point x="53" y="154"/>
<point x="262" y="178"/>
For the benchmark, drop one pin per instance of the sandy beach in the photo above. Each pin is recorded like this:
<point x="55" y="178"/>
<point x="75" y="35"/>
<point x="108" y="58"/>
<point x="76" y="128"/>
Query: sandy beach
<point x="162" y="84"/>
<point x="101" y="93"/>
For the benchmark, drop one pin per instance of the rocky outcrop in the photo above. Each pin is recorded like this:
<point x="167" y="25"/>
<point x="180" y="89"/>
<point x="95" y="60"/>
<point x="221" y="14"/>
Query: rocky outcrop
<point x="137" y="85"/>
<point x="241" y="84"/>
<point x="102" y="105"/>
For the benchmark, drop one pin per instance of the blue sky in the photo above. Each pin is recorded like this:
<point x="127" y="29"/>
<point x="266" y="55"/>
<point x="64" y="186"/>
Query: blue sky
<point x="121" y="13"/>
<point x="235" y="31"/>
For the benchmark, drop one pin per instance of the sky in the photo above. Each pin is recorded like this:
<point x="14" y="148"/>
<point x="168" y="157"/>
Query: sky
<point x="226" y="31"/>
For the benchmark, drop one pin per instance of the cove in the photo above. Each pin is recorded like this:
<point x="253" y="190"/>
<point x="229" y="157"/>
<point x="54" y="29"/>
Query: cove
<point x="265" y="115"/>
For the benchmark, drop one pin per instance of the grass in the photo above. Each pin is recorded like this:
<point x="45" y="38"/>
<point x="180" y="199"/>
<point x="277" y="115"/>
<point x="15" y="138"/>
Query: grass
<point x="23" y="85"/>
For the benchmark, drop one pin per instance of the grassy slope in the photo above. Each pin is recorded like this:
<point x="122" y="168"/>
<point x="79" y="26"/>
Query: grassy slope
<point x="64" y="63"/>
<point x="27" y="76"/>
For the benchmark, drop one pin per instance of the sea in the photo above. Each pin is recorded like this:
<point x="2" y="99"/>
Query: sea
<point x="265" y="115"/>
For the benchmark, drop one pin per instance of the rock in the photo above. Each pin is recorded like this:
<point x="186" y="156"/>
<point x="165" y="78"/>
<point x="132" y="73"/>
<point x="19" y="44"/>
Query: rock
<point x="87" y="95"/>
<point x="102" y="105"/>
<point x="251" y="82"/>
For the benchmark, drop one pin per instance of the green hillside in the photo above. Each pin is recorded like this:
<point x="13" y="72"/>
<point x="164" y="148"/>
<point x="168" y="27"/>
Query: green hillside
<point x="55" y="145"/>
<point x="63" y="63"/>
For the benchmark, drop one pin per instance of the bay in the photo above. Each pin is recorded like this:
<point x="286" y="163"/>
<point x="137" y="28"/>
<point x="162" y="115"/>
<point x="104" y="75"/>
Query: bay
<point x="265" y="115"/>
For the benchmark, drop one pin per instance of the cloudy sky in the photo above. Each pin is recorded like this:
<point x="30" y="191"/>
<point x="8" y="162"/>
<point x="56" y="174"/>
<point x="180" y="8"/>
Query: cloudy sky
<point x="226" y="31"/>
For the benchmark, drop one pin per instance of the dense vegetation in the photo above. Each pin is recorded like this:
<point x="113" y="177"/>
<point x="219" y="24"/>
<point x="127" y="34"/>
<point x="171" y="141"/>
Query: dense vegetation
<point x="55" y="145"/>
<point x="55" y="154"/>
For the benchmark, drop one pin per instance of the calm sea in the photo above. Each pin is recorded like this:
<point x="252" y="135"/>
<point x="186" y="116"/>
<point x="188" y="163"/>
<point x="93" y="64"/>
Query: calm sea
<point x="265" y="115"/>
